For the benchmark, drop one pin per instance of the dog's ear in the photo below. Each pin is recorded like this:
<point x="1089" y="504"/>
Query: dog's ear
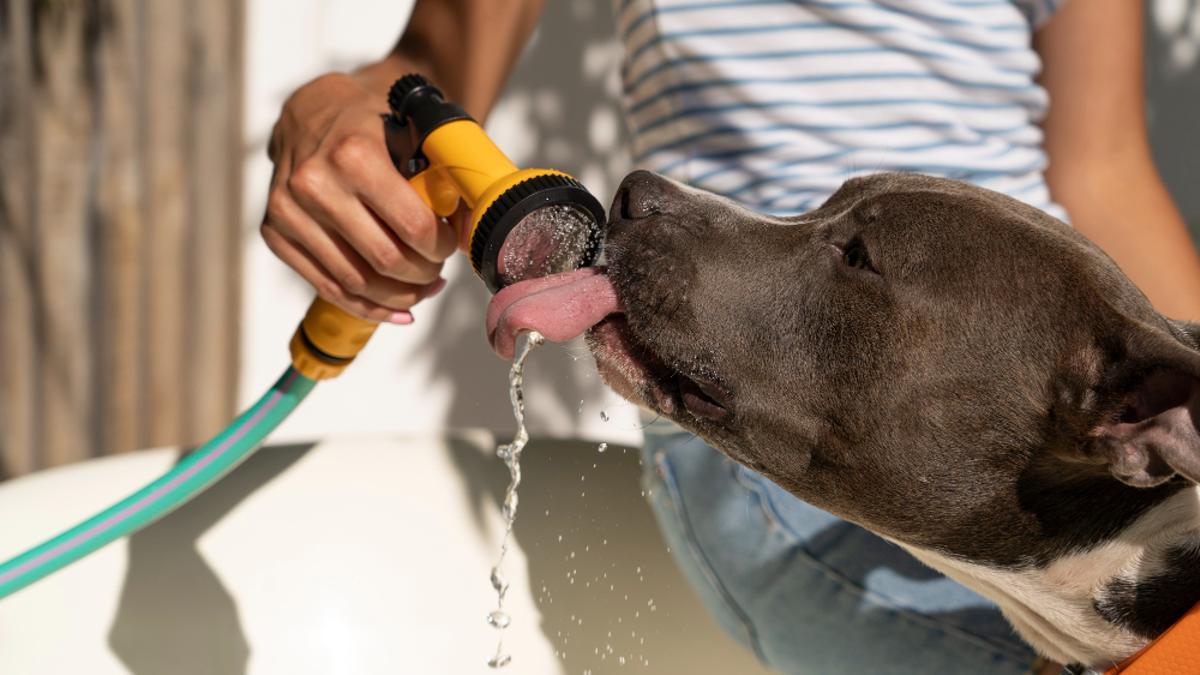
<point x="1151" y="430"/>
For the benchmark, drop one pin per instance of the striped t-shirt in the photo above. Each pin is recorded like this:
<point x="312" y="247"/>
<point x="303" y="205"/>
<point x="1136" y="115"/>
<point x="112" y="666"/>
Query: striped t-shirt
<point x="775" y="103"/>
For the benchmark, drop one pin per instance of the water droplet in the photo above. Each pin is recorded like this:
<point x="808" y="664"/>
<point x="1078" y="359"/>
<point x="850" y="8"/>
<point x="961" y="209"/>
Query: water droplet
<point x="498" y="619"/>
<point x="500" y="660"/>
<point x="603" y="416"/>
<point x="603" y="447"/>
<point x="498" y="582"/>
<point x="621" y="660"/>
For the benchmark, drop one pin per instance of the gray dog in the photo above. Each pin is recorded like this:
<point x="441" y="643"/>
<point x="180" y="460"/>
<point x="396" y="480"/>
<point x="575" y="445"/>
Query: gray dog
<point x="944" y="365"/>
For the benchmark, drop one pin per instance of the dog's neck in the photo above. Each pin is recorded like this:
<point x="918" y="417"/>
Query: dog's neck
<point x="1099" y="606"/>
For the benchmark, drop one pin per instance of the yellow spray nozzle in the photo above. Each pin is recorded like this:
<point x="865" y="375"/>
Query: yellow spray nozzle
<point x="524" y="222"/>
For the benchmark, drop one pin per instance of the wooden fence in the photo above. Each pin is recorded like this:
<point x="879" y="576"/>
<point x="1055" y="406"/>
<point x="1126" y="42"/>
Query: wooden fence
<point x="120" y="172"/>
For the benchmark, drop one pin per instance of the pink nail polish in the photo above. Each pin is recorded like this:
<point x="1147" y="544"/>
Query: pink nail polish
<point x="401" y="318"/>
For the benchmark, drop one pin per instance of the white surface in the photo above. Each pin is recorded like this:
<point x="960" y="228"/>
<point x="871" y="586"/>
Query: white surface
<point x="359" y="557"/>
<point x="335" y="565"/>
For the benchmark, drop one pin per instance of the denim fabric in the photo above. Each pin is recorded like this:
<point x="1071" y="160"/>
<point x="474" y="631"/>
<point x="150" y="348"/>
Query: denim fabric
<point x="806" y="591"/>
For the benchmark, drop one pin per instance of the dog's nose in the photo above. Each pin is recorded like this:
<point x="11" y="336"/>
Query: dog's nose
<point x="639" y="196"/>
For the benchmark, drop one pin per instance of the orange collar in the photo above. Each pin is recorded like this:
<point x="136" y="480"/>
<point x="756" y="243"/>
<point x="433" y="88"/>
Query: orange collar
<point x="1175" y="652"/>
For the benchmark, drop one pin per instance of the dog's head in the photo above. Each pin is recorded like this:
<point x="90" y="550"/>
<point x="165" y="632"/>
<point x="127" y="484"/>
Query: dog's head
<point x="917" y="355"/>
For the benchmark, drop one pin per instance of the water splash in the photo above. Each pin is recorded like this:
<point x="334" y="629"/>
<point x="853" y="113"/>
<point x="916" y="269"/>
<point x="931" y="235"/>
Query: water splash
<point x="554" y="238"/>
<point x="511" y="454"/>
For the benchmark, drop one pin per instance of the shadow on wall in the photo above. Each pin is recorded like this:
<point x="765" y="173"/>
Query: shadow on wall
<point x="564" y="89"/>
<point x="1173" y="96"/>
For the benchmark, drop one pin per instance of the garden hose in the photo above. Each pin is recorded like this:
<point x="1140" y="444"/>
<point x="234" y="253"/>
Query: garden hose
<point x="196" y="472"/>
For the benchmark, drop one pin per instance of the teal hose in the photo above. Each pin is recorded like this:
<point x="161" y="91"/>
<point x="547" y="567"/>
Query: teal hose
<point x="200" y="469"/>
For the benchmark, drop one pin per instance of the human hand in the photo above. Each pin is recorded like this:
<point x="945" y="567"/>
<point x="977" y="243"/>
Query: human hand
<point x="338" y="211"/>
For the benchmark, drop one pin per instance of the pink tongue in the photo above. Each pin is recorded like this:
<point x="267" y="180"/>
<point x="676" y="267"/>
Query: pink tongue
<point x="560" y="306"/>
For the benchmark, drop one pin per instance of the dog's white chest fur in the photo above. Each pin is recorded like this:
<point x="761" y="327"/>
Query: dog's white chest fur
<point x="1053" y="607"/>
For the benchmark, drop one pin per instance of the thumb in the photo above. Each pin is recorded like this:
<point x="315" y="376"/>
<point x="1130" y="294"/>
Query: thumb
<point x="461" y="221"/>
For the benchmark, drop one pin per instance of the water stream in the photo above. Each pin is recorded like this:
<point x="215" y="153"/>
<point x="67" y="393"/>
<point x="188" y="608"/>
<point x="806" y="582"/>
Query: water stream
<point x="511" y="454"/>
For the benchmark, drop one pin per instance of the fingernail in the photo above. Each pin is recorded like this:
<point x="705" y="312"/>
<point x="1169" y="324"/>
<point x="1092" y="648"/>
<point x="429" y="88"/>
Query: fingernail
<point x="401" y="318"/>
<point x="435" y="288"/>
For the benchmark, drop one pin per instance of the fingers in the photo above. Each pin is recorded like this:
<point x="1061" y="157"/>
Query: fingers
<point x="334" y="267"/>
<point x="341" y="214"/>
<point x="374" y="180"/>
<point x="329" y="289"/>
<point x="460" y="222"/>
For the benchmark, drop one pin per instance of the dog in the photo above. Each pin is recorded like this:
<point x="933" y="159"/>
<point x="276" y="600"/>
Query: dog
<point x="944" y="365"/>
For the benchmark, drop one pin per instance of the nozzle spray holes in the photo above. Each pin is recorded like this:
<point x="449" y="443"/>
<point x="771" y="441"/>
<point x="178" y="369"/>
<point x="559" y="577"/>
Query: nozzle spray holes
<point x="552" y="239"/>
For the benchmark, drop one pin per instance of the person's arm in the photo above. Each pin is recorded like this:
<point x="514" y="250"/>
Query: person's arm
<point x="1101" y="169"/>
<point x="338" y="212"/>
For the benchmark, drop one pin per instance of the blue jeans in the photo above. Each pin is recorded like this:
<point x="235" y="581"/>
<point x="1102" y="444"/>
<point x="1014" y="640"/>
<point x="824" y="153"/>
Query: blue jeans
<point x="806" y="591"/>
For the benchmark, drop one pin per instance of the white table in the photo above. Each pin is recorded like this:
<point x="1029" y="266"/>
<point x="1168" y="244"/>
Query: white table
<point x="358" y="556"/>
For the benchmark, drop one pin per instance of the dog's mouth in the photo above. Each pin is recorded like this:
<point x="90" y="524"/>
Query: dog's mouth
<point x="641" y="374"/>
<point x="564" y="306"/>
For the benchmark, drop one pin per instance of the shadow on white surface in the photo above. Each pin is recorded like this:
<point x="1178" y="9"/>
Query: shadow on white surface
<point x="361" y="556"/>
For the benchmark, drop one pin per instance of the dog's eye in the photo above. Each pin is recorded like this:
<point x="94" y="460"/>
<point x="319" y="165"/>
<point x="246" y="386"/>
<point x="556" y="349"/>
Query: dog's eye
<point x="854" y="254"/>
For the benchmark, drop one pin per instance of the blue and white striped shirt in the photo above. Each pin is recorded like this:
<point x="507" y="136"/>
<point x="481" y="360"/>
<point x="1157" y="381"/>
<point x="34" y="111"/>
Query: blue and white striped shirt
<point x="776" y="102"/>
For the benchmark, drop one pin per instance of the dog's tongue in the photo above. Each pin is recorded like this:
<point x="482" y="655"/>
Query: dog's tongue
<point x="560" y="306"/>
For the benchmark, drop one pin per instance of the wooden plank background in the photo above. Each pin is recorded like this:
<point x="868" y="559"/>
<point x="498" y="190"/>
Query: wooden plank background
<point x="120" y="171"/>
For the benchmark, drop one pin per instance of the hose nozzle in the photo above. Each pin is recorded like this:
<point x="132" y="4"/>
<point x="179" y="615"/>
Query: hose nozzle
<point x="525" y="223"/>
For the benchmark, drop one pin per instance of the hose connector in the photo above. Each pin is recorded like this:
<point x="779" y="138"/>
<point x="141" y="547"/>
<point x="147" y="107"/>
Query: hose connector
<point x="327" y="340"/>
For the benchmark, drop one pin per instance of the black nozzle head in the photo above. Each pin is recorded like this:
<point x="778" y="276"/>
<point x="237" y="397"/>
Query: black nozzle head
<point x="540" y="226"/>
